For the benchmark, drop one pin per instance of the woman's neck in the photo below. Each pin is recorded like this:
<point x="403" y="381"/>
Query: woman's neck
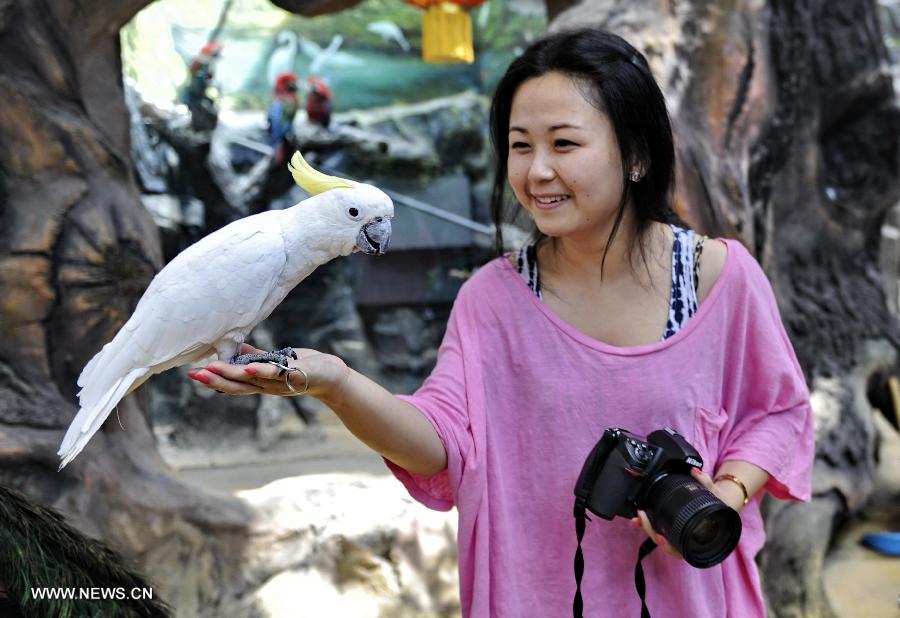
<point x="590" y="258"/>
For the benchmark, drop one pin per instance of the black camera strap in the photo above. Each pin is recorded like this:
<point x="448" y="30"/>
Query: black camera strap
<point x="643" y="551"/>
<point x="578" y="604"/>
<point x="639" y="581"/>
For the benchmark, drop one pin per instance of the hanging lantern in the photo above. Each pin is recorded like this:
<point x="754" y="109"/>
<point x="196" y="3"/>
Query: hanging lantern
<point x="447" y="30"/>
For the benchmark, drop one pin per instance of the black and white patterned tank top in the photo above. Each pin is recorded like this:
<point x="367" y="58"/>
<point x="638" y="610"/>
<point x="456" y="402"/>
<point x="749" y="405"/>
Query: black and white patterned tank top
<point x="686" y="249"/>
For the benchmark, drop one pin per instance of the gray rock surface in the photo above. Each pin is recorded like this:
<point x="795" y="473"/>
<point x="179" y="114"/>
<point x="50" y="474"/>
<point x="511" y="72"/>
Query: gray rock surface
<point x="351" y="545"/>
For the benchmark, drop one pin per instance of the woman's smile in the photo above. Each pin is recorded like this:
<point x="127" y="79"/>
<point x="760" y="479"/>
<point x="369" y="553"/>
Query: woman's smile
<point x="549" y="202"/>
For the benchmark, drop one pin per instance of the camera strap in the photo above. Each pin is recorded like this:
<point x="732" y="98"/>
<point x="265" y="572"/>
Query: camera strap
<point x="639" y="581"/>
<point x="578" y="603"/>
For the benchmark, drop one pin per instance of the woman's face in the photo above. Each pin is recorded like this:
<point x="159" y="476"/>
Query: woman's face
<point x="564" y="163"/>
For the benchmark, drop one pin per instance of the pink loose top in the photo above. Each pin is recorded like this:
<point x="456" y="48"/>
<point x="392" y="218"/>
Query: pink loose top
<point x="519" y="397"/>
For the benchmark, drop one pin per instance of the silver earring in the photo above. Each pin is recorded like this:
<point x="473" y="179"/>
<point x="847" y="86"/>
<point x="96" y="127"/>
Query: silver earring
<point x="635" y="175"/>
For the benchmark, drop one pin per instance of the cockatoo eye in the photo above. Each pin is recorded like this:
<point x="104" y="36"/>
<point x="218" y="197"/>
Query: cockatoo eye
<point x="353" y="212"/>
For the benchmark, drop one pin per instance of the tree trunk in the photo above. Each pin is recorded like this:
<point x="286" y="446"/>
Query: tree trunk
<point x="788" y="138"/>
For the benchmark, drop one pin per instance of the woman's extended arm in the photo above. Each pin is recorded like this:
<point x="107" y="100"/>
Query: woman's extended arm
<point x="391" y="427"/>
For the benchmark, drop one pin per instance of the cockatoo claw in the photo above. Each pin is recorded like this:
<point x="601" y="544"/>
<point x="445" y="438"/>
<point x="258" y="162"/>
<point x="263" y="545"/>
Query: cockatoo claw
<point x="279" y="357"/>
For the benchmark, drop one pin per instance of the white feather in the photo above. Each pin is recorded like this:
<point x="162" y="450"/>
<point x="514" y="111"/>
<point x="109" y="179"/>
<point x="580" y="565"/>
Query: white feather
<point x="211" y="295"/>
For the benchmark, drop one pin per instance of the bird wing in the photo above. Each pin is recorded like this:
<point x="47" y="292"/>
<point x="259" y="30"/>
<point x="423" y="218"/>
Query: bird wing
<point x="221" y="286"/>
<point x="216" y="290"/>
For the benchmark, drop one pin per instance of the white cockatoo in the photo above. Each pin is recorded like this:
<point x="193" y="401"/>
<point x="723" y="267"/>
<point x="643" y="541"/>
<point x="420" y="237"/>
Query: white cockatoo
<point x="212" y="294"/>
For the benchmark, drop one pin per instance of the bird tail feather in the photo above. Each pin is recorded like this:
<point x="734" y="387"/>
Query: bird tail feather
<point x="85" y="376"/>
<point x="109" y="358"/>
<point x="90" y="418"/>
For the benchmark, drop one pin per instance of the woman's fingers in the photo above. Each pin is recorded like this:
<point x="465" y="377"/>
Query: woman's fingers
<point x="251" y="372"/>
<point x="704" y="479"/>
<point x="221" y="383"/>
<point x="644" y="523"/>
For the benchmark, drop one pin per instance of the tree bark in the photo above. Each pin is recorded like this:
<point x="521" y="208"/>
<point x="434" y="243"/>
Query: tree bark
<point x="788" y="138"/>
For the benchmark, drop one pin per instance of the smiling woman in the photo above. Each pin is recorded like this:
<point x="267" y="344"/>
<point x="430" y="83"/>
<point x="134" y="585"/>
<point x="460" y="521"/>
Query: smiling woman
<point x="564" y="165"/>
<point x="633" y="331"/>
<point x="599" y="103"/>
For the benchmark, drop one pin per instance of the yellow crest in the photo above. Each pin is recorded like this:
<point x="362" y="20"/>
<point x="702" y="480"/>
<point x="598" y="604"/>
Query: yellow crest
<point x="313" y="181"/>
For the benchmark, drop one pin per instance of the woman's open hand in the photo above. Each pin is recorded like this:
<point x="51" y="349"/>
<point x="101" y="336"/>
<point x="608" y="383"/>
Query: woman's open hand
<point x="324" y="374"/>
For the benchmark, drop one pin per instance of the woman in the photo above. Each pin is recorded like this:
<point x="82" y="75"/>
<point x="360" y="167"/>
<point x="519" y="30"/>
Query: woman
<point x="614" y="317"/>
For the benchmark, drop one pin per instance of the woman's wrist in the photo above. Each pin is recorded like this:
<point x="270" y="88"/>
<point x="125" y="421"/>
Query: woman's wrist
<point x="739" y="480"/>
<point x="731" y="493"/>
<point x="328" y="386"/>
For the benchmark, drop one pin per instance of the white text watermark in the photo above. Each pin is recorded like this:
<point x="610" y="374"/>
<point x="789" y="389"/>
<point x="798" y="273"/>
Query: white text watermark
<point x="91" y="594"/>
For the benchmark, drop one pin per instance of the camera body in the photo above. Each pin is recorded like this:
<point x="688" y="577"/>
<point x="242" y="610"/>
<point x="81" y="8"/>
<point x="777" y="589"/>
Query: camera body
<point x="621" y="469"/>
<point x="624" y="473"/>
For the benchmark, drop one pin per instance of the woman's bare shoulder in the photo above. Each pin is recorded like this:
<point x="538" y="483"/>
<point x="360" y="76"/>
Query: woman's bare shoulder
<point x="712" y="261"/>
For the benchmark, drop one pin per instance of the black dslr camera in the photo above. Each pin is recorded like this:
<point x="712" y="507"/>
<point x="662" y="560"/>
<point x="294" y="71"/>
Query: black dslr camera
<point x="623" y="474"/>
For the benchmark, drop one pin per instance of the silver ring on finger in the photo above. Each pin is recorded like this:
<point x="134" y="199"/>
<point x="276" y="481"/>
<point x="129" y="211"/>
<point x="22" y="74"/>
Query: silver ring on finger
<point x="287" y="382"/>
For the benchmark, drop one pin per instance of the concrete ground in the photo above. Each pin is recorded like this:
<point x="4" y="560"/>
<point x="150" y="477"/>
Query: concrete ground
<point x="861" y="583"/>
<point x="329" y="448"/>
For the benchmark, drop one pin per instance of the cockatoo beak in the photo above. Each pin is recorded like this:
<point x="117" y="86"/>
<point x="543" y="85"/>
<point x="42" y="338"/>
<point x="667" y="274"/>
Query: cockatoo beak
<point x="375" y="236"/>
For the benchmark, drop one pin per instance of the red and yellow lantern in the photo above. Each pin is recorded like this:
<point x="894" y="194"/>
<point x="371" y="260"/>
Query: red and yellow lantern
<point x="447" y="30"/>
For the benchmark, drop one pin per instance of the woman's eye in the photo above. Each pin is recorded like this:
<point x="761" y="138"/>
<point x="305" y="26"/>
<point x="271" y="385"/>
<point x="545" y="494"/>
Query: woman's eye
<point x="564" y="143"/>
<point x="518" y="145"/>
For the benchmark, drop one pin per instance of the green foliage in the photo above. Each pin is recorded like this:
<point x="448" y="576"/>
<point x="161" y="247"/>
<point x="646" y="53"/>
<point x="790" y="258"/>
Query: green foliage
<point x="506" y="29"/>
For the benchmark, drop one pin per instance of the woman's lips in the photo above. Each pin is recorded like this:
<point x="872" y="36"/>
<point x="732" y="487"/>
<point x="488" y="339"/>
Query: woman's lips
<point x="549" y="202"/>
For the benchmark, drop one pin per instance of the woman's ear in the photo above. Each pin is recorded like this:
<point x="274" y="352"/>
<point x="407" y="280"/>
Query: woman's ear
<point x="637" y="170"/>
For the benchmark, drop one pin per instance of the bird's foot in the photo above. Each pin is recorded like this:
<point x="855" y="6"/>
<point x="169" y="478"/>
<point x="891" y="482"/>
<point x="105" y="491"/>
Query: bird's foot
<point x="279" y="357"/>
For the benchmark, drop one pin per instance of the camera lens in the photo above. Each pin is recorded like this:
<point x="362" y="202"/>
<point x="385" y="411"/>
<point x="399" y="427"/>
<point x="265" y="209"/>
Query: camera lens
<point x="713" y="537"/>
<point x="705" y="532"/>
<point x="694" y="521"/>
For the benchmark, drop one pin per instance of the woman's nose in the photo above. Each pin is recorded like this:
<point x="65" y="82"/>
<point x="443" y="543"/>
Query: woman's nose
<point x="541" y="167"/>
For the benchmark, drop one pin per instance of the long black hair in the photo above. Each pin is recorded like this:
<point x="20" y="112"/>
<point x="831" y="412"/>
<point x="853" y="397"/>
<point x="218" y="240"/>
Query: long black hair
<point x="616" y="79"/>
